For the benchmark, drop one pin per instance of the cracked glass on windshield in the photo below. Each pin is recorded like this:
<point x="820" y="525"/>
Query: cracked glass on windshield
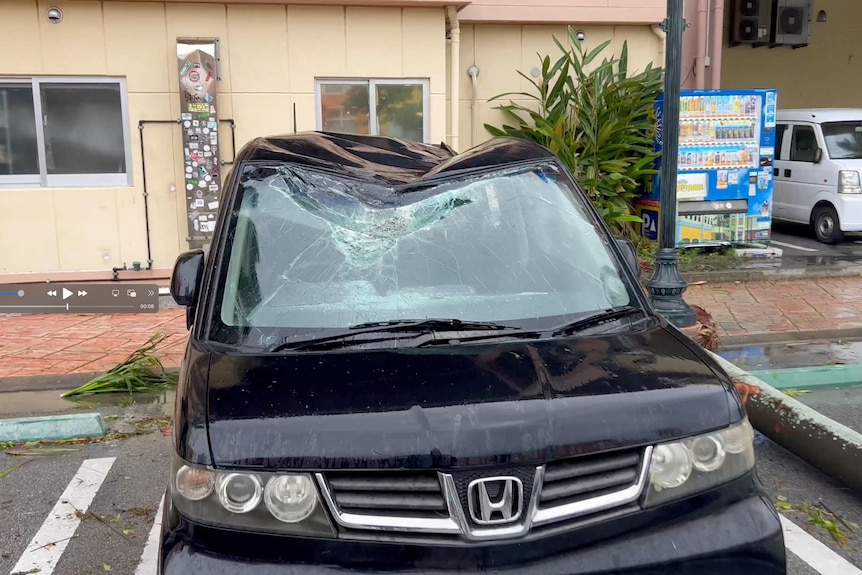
<point x="313" y="251"/>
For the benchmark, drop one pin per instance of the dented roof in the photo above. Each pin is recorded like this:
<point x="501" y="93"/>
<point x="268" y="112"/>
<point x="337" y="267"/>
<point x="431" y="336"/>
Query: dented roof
<point x="387" y="161"/>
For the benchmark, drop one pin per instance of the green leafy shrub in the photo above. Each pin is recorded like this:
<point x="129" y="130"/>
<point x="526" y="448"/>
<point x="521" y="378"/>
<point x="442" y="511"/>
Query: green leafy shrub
<point x="599" y="120"/>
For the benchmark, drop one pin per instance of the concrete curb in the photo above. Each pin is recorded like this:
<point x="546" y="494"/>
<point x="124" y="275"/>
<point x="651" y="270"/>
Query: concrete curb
<point x="57" y="382"/>
<point x="52" y="428"/>
<point x="731" y="341"/>
<point x="833" y="448"/>
<point x="773" y="274"/>
<point x="811" y="377"/>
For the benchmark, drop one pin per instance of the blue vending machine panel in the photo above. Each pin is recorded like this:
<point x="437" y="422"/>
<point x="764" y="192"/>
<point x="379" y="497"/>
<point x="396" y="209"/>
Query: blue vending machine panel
<point x="725" y="163"/>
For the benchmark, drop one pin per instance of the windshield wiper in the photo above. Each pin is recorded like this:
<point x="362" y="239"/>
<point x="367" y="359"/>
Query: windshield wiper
<point x="430" y="323"/>
<point x="604" y="316"/>
<point x="395" y="327"/>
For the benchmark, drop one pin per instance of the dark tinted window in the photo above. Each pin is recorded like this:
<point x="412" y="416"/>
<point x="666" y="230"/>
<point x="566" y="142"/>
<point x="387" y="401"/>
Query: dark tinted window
<point x="803" y="147"/>
<point x="780" y="129"/>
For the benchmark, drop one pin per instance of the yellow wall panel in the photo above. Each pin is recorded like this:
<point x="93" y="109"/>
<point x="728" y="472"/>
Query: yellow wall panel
<point x="424" y="53"/>
<point x="316" y="44"/>
<point x="77" y="43"/>
<point x="262" y="115"/>
<point x="128" y="27"/>
<point x="20" y="45"/>
<point x="259" y="56"/>
<point x="374" y="39"/>
<point x="86" y="226"/>
<point x="27" y="218"/>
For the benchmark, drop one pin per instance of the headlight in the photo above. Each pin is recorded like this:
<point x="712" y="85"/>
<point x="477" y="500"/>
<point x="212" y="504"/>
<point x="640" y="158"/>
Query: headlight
<point x="848" y="182"/>
<point x="277" y="503"/>
<point x="682" y="468"/>
<point x="239" y="492"/>
<point x="290" y="498"/>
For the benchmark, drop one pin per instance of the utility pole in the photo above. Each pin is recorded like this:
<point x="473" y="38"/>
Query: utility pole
<point x="666" y="285"/>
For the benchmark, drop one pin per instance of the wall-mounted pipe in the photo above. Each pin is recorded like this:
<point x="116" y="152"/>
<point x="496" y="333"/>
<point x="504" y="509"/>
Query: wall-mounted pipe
<point x="145" y="193"/>
<point x="702" y="42"/>
<point x="473" y="71"/>
<point x="717" y="44"/>
<point x="658" y="30"/>
<point x="454" y="76"/>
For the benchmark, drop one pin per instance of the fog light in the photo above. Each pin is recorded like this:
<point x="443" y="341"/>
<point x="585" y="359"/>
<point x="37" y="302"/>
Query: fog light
<point x="707" y="453"/>
<point x="194" y="484"/>
<point x="238" y="492"/>
<point x="290" y="498"/>
<point x="670" y="465"/>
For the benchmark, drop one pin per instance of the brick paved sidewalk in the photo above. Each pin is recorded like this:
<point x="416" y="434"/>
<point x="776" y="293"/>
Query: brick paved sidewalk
<point x="58" y="344"/>
<point x="55" y="344"/>
<point x="781" y="307"/>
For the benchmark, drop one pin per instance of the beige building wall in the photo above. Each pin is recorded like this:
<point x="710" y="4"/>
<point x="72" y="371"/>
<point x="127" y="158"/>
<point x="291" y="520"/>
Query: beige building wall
<point x="270" y="57"/>
<point x="827" y="73"/>
<point x="501" y="50"/>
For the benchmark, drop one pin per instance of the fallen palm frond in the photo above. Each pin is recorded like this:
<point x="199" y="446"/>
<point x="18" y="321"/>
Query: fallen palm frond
<point x="141" y="372"/>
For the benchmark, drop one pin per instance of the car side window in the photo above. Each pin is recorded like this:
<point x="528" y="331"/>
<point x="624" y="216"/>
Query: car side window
<point x="780" y="130"/>
<point x="803" y="146"/>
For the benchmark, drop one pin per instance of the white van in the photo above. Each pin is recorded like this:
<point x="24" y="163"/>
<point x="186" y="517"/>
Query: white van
<point x="818" y="159"/>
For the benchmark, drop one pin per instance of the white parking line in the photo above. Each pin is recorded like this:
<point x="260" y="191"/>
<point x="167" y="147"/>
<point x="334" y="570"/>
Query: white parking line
<point x="820" y="557"/>
<point x="50" y="541"/>
<point x="150" y="556"/>
<point x="793" y="246"/>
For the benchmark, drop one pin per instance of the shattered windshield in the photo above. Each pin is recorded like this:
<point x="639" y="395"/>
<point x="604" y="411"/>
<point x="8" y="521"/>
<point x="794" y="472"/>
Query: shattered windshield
<point x="313" y="251"/>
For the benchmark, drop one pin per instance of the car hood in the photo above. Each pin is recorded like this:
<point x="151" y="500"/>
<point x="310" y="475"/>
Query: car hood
<point x="467" y="405"/>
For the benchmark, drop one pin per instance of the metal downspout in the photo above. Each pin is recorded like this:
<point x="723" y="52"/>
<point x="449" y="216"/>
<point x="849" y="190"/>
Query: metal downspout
<point x="702" y="43"/>
<point x="660" y="33"/>
<point x="717" y="44"/>
<point x="454" y="76"/>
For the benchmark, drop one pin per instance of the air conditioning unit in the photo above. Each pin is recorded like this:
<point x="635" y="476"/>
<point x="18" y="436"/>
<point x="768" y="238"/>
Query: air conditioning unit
<point x="791" y="22"/>
<point x="750" y="22"/>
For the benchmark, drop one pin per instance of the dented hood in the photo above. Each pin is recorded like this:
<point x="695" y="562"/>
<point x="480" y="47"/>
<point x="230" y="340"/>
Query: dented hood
<point x="461" y="405"/>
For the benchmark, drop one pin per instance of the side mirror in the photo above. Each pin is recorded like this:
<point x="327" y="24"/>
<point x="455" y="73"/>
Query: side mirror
<point x="630" y="255"/>
<point x="818" y="155"/>
<point x="186" y="281"/>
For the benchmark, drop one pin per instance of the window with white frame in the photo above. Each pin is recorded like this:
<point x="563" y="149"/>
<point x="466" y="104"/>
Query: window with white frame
<point x="69" y="131"/>
<point x="396" y="108"/>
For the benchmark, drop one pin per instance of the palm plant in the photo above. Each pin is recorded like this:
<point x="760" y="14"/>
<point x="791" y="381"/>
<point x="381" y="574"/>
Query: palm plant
<point x="599" y="120"/>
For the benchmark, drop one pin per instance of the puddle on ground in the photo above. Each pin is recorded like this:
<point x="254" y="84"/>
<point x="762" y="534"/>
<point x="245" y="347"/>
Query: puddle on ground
<point x="28" y="403"/>
<point x="796" y="354"/>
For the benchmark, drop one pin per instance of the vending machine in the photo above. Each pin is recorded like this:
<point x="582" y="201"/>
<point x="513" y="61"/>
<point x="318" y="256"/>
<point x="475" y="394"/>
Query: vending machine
<point x="726" y="152"/>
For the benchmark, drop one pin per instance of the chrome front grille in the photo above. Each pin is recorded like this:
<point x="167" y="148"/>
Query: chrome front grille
<point x="408" y="494"/>
<point x="410" y="503"/>
<point x="590" y="484"/>
<point x="590" y="476"/>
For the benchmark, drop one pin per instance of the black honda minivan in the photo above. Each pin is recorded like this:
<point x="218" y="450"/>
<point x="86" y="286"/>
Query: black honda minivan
<point x="407" y="360"/>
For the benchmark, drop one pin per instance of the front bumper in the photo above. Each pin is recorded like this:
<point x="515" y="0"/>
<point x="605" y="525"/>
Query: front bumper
<point x="850" y="212"/>
<point x="694" y="537"/>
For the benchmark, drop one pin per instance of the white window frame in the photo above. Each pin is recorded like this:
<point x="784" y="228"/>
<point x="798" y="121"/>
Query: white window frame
<point x="372" y="84"/>
<point x="45" y="180"/>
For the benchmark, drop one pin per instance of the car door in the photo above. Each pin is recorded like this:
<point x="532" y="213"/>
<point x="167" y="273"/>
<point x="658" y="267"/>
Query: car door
<point x="782" y="153"/>
<point x="799" y="174"/>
